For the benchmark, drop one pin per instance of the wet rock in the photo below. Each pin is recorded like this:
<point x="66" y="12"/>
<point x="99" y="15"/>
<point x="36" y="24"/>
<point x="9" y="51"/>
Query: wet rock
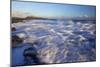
<point x="13" y="29"/>
<point x="30" y="56"/>
<point x="16" y="41"/>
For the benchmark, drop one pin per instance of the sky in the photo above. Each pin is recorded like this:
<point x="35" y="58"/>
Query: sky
<point x="50" y="10"/>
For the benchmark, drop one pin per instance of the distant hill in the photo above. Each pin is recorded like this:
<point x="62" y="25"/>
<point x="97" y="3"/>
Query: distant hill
<point x="19" y="19"/>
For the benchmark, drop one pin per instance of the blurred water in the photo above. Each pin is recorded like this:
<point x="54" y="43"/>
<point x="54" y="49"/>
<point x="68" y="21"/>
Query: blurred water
<point x="56" y="41"/>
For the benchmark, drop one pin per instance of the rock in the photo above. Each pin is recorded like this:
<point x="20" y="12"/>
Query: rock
<point x="16" y="40"/>
<point x="13" y="29"/>
<point x="30" y="54"/>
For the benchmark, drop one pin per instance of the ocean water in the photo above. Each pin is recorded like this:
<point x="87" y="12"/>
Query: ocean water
<point x="55" y="41"/>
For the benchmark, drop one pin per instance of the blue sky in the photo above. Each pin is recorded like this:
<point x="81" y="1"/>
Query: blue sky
<point x="53" y="10"/>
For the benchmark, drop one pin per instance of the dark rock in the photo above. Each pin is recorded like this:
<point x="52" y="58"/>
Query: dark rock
<point x="13" y="29"/>
<point x="30" y="54"/>
<point x="16" y="40"/>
